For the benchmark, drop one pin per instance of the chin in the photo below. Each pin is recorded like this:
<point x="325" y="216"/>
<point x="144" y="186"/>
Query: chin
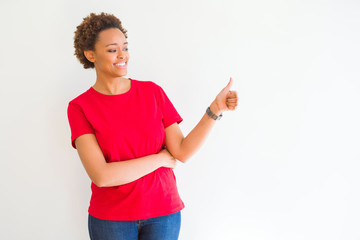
<point x="122" y="74"/>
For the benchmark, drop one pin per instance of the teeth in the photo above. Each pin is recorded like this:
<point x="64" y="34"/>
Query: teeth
<point x="120" y="64"/>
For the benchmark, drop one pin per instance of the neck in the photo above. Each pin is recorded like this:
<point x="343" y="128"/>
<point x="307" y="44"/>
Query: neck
<point x="111" y="86"/>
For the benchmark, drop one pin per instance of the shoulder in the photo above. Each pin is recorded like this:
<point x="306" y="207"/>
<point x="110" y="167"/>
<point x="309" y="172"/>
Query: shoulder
<point x="148" y="86"/>
<point x="145" y="84"/>
<point x="78" y="100"/>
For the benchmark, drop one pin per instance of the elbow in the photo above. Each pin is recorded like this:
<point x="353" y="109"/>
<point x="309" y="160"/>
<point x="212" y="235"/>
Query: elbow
<point x="102" y="177"/>
<point x="103" y="180"/>
<point x="182" y="158"/>
<point x="100" y="180"/>
<point x="102" y="183"/>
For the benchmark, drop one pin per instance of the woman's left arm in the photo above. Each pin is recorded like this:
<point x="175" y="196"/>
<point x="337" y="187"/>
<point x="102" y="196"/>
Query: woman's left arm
<point x="184" y="147"/>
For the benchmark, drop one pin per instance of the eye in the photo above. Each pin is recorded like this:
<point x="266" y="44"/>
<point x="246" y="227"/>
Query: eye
<point x="112" y="50"/>
<point x="126" y="49"/>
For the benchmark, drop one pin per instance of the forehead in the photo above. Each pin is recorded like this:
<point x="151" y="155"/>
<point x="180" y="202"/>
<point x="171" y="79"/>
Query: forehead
<point x="111" y="35"/>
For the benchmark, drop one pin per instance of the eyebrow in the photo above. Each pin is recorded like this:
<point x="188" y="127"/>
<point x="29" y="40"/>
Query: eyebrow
<point x="115" y="44"/>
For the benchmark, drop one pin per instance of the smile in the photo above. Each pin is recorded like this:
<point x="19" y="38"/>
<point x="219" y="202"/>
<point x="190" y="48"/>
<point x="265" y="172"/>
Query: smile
<point x="120" y="65"/>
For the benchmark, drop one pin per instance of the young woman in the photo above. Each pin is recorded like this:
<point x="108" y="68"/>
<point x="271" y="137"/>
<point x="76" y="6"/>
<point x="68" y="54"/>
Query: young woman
<point x="127" y="136"/>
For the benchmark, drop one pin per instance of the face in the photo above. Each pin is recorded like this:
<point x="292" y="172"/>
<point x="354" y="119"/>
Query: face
<point x="111" y="55"/>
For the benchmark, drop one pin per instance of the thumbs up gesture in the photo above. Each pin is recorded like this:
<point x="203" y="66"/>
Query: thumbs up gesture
<point x="226" y="100"/>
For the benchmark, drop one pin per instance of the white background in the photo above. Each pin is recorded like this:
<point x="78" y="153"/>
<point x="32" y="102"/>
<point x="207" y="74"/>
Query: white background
<point x="284" y="166"/>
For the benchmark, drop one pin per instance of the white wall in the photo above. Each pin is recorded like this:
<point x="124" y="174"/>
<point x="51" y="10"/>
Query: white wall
<point x="284" y="166"/>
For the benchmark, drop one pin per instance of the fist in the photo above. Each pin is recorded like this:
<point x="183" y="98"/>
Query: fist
<point x="226" y="100"/>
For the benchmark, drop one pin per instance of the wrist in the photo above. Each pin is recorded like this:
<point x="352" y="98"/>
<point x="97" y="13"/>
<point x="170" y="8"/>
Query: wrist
<point x="215" y="109"/>
<point x="216" y="115"/>
<point x="163" y="156"/>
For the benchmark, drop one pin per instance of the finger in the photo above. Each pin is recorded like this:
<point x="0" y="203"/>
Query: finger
<point x="230" y="105"/>
<point x="231" y="100"/>
<point x="232" y="94"/>
<point x="228" y="86"/>
<point x="232" y="108"/>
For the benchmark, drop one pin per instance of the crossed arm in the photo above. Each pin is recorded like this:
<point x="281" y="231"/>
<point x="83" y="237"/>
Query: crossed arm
<point x="105" y="174"/>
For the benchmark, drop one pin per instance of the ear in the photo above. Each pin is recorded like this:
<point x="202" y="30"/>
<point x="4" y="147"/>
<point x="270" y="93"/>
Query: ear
<point x="90" y="55"/>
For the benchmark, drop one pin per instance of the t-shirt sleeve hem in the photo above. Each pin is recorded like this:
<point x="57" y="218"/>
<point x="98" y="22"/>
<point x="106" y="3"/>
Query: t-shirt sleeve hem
<point x="177" y="120"/>
<point x="78" y="135"/>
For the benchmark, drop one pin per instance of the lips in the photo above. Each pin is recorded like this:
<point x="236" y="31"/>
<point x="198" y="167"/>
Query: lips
<point x="120" y="65"/>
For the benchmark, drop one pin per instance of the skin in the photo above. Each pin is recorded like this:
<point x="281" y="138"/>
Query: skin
<point x="111" y="48"/>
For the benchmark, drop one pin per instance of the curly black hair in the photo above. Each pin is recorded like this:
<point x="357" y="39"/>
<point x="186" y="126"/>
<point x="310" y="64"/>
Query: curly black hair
<point x="87" y="32"/>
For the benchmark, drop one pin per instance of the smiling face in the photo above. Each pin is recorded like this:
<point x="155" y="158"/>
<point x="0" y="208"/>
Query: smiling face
<point x="111" y="55"/>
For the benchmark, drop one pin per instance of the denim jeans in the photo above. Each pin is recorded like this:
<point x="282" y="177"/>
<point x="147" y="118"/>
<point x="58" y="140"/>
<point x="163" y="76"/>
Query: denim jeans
<point x="158" y="228"/>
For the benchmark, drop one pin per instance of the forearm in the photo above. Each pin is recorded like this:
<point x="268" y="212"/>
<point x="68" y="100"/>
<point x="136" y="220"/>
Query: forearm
<point x="192" y="142"/>
<point x="119" y="173"/>
<point x="182" y="148"/>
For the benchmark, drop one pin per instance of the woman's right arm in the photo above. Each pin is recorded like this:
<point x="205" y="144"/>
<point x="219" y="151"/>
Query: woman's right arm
<point x="104" y="174"/>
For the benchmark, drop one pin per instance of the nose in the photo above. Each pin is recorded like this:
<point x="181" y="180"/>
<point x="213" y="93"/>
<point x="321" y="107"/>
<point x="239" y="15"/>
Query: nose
<point x="121" y="55"/>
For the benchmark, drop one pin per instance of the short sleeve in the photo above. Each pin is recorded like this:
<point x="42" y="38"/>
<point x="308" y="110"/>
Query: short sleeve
<point x="79" y="125"/>
<point x="169" y="113"/>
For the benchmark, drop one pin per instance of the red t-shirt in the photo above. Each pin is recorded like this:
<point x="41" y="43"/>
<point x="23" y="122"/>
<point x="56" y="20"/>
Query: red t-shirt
<point x="128" y="126"/>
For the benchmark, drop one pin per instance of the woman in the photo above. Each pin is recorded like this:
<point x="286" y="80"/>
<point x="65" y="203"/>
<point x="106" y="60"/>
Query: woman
<point x="118" y="127"/>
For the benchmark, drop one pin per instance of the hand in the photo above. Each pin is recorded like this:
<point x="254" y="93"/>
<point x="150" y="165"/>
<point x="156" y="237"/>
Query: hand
<point x="226" y="100"/>
<point x="168" y="160"/>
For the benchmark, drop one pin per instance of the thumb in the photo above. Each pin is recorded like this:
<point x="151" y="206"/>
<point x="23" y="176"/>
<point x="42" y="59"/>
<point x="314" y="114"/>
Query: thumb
<point x="228" y="86"/>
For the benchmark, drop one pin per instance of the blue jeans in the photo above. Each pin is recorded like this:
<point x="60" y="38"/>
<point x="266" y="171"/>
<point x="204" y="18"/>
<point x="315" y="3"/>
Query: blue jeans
<point x="158" y="228"/>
